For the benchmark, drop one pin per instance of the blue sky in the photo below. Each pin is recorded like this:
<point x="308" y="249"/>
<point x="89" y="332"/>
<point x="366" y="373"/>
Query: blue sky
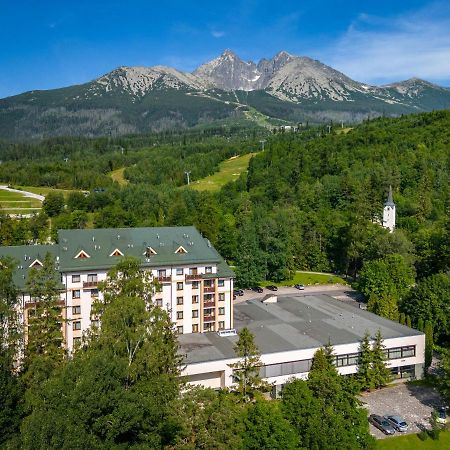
<point x="49" y="44"/>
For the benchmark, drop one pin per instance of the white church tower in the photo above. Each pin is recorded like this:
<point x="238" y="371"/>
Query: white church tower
<point x="389" y="212"/>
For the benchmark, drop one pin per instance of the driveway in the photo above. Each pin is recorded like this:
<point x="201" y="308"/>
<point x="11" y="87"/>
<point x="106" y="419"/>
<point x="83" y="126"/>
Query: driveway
<point x="24" y="193"/>
<point x="412" y="402"/>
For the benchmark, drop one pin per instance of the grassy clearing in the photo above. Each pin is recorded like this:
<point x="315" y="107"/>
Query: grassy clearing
<point x="343" y="130"/>
<point x="411" y="441"/>
<point x="308" y="279"/>
<point x="118" y="175"/>
<point x="229" y="170"/>
<point x="43" y="190"/>
<point x="16" y="203"/>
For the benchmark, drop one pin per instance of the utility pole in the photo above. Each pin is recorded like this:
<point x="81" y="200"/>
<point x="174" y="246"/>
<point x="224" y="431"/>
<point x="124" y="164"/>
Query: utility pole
<point x="262" y="144"/>
<point x="187" y="173"/>
<point x="329" y="129"/>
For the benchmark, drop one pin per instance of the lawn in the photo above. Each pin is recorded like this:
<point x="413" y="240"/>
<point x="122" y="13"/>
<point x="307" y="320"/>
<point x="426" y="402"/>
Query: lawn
<point x="309" y="278"/>
<point x="411" y="441"/>
<point x="229" y="170"/>
<point x="118" y="175"/>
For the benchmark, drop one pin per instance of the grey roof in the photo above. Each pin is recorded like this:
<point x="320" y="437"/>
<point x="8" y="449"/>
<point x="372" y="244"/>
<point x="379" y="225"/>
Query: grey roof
<point x="99" y="244"/>
<point x="390" y="199"/>
<point x="293" y="323"/>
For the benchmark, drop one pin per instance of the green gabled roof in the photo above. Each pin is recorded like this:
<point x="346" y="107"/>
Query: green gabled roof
<point x="24" y="256"/>
<point x="99" y="244"/>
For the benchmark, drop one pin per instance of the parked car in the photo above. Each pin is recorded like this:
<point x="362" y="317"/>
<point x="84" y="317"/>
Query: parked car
<point x="397" y="422"/>
<point x="239" y="292"/>
<point x="300" y="287"/>
<point x="441" y="416"/>
<point x="257" y="289"/>
<point x="272" y="287"/>
<point x="381" y="423"/>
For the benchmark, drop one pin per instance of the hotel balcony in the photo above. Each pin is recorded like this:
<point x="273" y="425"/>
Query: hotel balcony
<point x="165" y="279"/>
<point x="209" y="304"/>
<point x="209" y="289"/>
<point x="210" y="318"/>
<point x="193" y="277"/>
<point x="89" y="284"/>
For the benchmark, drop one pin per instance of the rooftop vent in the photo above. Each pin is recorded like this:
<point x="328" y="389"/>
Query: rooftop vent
<point x="225" y="333"/>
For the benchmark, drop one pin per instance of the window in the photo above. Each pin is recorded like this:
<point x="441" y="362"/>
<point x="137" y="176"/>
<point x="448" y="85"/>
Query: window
<point x="210" y="326"/>
<point x="195" y="285"/>
<point x="193" y="271"/>
<point x="195" y="328"/>
<point x="221" y="325"/>
<point x="195" y="299"/>
<point x="159" y="302"/>
<point x="76" y="278"/>
<point x="180" y="271"/>
<point x="180" y="330"/>
<point x="94" y="293"/>
<point x="76" y="325"/>
<point x="76" y="294"/>
<point x="195" y="313"/>
<point x="221" y="311"/>
<point x="209" y="297"/>
<point x="76" y="310"/>
<point x="208" y="269"/>
<point x="221" y="296"/>
<point x="149" y="252"/>
<point x="209" y="312"/>
<point x="401" y="352"/>
<point x="221" y="283"/>
<point x="162" y="273"/>
<point x="116" y="252"/>
<point x="209" y="283"/>
<point x="179" y="314"/>
<point x="92" y="278"/>
<point x="180" y="249"/>
<point x="180" y="286"/>
<point x="179" y="300"/>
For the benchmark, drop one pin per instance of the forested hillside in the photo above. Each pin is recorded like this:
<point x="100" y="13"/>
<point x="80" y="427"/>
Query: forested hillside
<point x="310" y="201"/>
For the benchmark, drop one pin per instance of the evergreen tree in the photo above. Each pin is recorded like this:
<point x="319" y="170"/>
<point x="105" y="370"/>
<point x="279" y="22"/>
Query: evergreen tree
<point x="44" y="349"/>
<point x="428" y="344"/>
<point x="408" y="321"/>
<point x="11" y="390"/>
<point x="420" y="324"/>
<point x="364" y="374"/>
<point x="246" y="370"/>
<point x="380" y="374"/>
<point x="402" y="319"/>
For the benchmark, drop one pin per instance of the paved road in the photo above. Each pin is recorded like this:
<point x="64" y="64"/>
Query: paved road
<point x="24" y="193"/>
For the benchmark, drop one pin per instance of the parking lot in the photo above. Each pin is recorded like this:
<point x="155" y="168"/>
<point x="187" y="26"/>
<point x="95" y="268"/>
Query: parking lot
<point x="412" y="402"/>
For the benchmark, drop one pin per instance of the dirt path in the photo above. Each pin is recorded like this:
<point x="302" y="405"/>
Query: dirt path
<point x="24" y="193"/>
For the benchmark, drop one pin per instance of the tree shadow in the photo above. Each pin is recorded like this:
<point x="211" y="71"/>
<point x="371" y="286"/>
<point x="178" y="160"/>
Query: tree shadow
<point x="427" y="395"/>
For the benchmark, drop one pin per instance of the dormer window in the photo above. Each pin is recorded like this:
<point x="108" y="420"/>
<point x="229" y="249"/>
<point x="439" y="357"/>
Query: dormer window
<point x="116" y="252"/>
<point x="36" y="263"/>
<point x="181" y="250"/>
<point x="149" y="252"/>
<point x="82" y="255"/>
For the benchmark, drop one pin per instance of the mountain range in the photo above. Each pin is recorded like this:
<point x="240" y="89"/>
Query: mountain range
<point x="285" y="89"/>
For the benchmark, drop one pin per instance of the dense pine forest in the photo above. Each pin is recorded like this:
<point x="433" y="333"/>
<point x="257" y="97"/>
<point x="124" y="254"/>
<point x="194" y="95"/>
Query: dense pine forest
<point x="310" y="200"/>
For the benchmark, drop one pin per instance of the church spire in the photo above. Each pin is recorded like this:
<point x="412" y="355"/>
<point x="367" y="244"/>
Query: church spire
<point x="390" y="199"/>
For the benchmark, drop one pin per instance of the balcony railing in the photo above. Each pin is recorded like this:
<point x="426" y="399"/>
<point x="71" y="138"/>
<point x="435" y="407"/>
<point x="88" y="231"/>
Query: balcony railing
<point x="209" y="303"/>
<point x="196" y="276"/>
<point x="210" y="318"/>
<point x="209" y="289"/>
<point x="165" y="279"/>
<point x="89" y="284"/>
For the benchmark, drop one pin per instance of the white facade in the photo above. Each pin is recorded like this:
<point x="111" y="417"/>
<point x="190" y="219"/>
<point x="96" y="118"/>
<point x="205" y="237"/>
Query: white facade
<point x="389" y="212"/>
<point x="407" y="362"/>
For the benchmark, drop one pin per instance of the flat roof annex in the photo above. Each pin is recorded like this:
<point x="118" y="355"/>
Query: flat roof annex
<point x="293" y="323"/>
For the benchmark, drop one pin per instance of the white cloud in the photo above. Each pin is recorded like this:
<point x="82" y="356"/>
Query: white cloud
<point x="217" y="34"/>
<point x="377" y="50"/>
